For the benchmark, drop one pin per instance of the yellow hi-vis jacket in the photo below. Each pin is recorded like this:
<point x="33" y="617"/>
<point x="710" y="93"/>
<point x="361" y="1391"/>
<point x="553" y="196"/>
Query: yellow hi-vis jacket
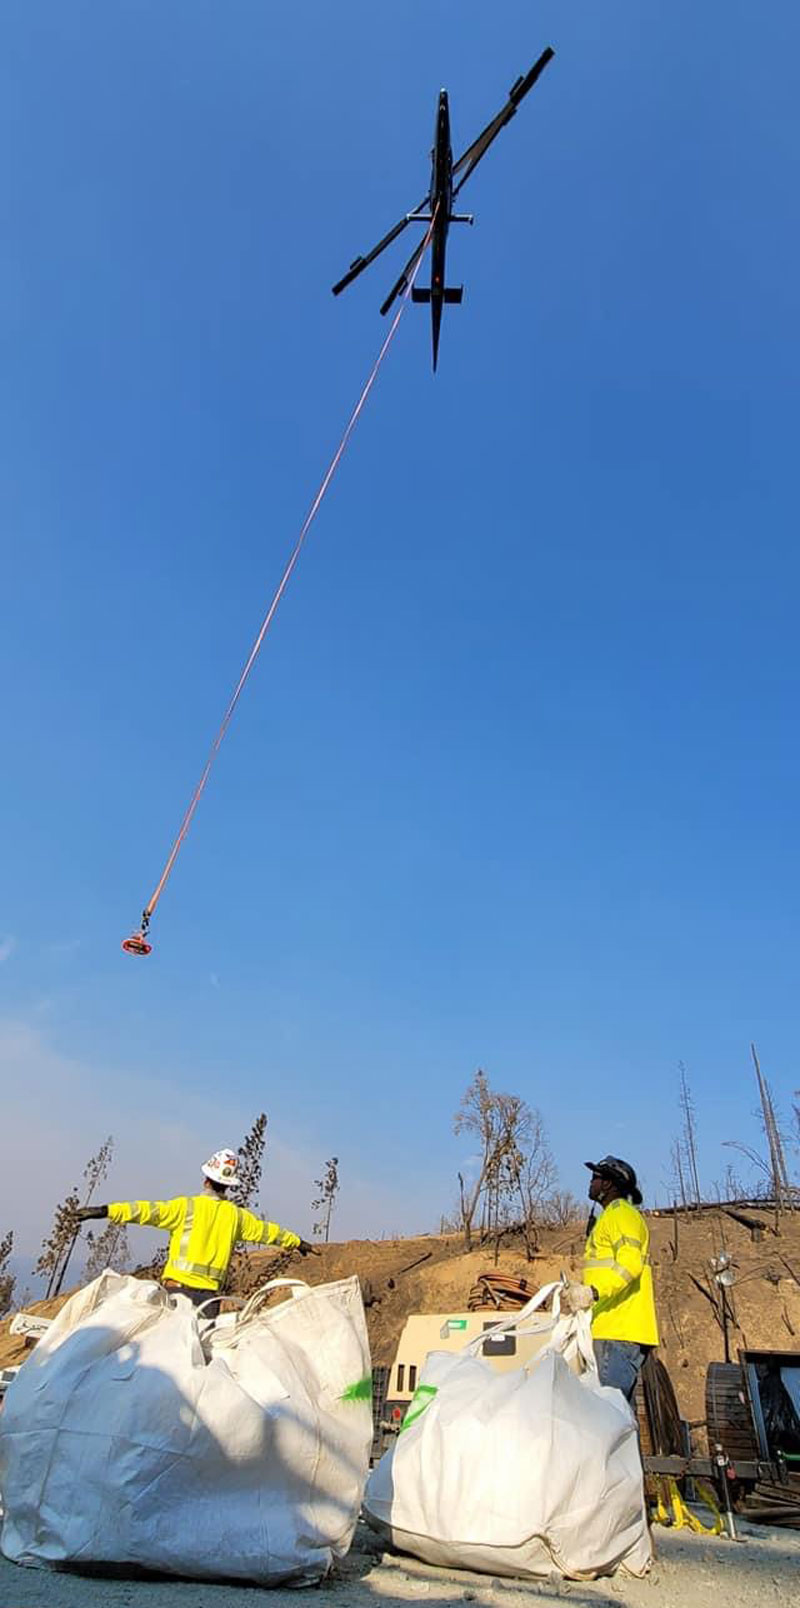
<point x="203" y="1231"/>
<point x="617" y="1264"/>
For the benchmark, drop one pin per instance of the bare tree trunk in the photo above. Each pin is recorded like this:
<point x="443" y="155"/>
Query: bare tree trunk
<point x="466" y="1215"/>
<point x="780" y="1177"/>
<point x="526" y="1220"/>
<point x="689" y="1132"/>
<point x="677" y="1163"/>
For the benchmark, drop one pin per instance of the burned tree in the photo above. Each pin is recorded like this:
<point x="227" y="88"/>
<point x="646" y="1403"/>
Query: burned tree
<point x="678" y="1179"/>
<point x="689" y="1132"/>
<point x="7" y="1278"/>
<point x="783" y="1191"/>
<point x="515" y="1172"/>
<point x="478" y="1116"/>
<point x="242" y="1274"/>
<point x="527" y="1170"/>
<point x="774" y="1183"/>
<point x="328" y="1188"/>
<point x="685" y="1179"/>
<point x="107" y="1249"/>
<point x="57" y="1249"/>
<point x="251" y="1161"/>
<point x="560" y="1208"/>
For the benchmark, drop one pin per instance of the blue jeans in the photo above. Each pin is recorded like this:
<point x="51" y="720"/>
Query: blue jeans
<point x="619" y="1363"/>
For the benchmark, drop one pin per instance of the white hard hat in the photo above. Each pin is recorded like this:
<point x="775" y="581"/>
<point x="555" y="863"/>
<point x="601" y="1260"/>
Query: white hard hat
<point x="223" y="1167"/>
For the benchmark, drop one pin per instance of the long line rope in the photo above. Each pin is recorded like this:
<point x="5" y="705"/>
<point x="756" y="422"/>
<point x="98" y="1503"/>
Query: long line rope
<point x="137" y="943"/>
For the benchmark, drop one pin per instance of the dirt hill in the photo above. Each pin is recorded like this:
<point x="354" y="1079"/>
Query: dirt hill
<point x="434" y="1274"/>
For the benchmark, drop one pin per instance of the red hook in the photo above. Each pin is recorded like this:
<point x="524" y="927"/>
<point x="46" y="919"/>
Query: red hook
<point x="137" y="943"/>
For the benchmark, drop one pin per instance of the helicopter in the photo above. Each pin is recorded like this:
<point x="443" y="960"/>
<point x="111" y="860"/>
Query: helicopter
<point x="436" y="208"/>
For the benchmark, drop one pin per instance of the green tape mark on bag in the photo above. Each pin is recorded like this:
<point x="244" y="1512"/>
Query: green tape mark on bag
<point x="423" y="1395"/>
<point x="360" y="1391"/>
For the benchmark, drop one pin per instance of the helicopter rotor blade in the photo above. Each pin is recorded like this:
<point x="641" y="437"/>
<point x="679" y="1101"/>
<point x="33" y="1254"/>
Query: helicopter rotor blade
<point x="360" y="263"/>
<point x="468" y="162"/>
<point x="400" y="284"/>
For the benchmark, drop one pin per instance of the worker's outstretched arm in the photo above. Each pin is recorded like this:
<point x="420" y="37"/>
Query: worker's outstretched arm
<point x="148" y="1213"/>
<point x="617" y="1262"/>
<point x="255" y="1232"/>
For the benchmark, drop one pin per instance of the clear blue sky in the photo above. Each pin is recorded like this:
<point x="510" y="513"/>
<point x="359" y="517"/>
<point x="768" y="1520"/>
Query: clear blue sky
<point x="516" y="780"/>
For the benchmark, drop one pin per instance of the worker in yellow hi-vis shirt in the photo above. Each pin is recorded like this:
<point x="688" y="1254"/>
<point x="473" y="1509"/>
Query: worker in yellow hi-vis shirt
<point x="617" y="1278"/>
<point x="203" y="1230"/>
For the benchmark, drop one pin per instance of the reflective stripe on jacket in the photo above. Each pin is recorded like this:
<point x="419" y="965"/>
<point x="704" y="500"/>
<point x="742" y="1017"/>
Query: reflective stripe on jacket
<point x="617" y="1263"/>
<point x="203" y="1231"/>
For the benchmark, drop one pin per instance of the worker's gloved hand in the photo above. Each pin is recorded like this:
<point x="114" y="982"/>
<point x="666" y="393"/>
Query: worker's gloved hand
<point x="85" y="1213"/>
<point x="578" y="1298"/>
<point x="305" y="1249"/>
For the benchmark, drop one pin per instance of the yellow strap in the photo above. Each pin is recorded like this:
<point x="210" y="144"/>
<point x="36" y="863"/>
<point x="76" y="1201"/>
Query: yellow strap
<point x="660" y="1512"/>
<point x="681" y="1517"/>
<point x="710" y="1501"/>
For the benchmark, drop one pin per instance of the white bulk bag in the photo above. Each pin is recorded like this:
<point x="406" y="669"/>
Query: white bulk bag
<point x="517" y="1473"/>
<point x="137" y="1433"/>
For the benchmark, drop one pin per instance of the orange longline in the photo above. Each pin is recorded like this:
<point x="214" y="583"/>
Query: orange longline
<point x="284" y="581"/>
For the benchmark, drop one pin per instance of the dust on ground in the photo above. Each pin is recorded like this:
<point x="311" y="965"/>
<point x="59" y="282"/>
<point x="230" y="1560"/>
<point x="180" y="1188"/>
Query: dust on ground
<point x="689" y="1572"/>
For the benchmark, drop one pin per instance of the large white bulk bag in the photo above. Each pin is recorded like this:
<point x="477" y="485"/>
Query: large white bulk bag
<point x="517" y="1473"/>
<point x="137" y="1433"/>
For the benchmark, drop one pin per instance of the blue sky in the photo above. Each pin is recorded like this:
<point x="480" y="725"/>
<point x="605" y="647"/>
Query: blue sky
<point x="515" y="783"/>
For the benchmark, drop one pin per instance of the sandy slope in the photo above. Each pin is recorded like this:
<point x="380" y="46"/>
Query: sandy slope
<point x="765" y="1299"/>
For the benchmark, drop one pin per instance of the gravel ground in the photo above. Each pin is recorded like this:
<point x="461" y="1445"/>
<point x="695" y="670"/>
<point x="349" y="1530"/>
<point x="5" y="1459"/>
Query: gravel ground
<point x="690" y="1572"/>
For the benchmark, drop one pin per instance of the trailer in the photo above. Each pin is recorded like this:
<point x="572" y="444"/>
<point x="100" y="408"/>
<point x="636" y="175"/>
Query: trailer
<point x="753" y="1415"/>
